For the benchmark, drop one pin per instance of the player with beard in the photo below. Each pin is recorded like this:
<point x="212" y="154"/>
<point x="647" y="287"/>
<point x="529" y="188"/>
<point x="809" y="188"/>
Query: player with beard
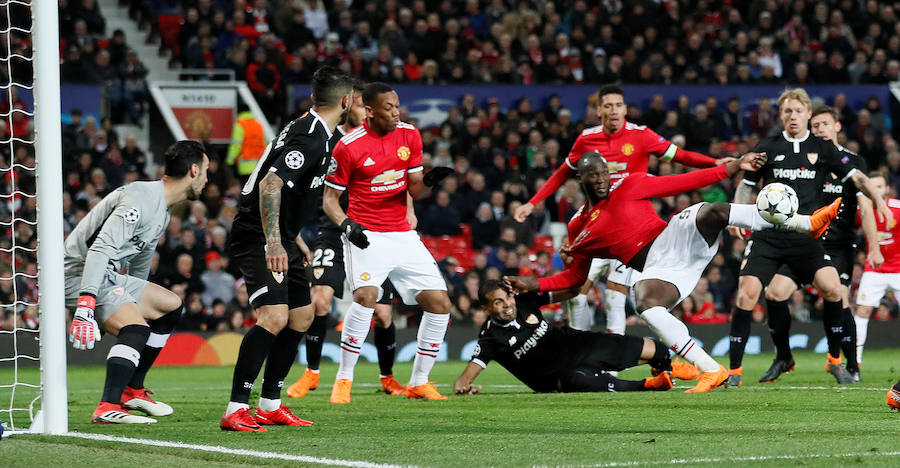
<point x="121" y="232"/>
<point x="804" y="162"/>
<point x="280" y="197"/>
<point x="627" y="148"/>
<point x="328" y="282"/>
<point x="619" y="222"/>
<point x="840" y="244"/>
<point x="556" y="359"/>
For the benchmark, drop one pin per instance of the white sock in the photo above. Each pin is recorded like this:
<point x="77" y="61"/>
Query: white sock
<point x="356" y="327"/>
<point x="675" y="335"/>
<point x="314" y="371"/>
<point x="579" y="312"/>
<point x="862" y="329"/>
<point x="268" y="405"/>
<point x="747" y="217"/>
<point x="430" y="336"/>
<point x="234" y="406"/>
<point x="615" y="312"/>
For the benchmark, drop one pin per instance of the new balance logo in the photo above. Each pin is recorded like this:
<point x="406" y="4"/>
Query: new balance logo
<point x="369" y="162"/>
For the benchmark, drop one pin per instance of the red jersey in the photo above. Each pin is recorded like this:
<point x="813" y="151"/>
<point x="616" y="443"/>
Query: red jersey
<point x="888" y="240"/>
<point x="374" y="169"/>
<point x="624" y="223"/>
<point x="627" y="151"/>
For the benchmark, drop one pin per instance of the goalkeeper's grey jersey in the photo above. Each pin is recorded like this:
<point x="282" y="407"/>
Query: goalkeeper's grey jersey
<point x="121" y="231"/>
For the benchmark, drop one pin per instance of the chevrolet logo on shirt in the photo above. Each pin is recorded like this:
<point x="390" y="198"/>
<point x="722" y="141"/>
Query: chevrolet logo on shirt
<point x="388" y="180"/>
<point x="616" y="166"/>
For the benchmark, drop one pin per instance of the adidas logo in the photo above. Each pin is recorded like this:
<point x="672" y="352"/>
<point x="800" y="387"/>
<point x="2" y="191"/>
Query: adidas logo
<point x="369" y="162"/>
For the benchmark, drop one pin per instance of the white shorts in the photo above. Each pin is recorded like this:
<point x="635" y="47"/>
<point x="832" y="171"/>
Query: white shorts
<point x="680" y="254"/>
<point x="873" y="285"/>
<point x="398" y="256"/>
<point x="614" y="271"/>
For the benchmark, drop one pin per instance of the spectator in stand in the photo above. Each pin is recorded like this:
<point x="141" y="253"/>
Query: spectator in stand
<point x="762" y="119"/>
<point x="485" y="228"/>
<point x="442" y="218"/>
<point x="264" y="81"/>
<point x="218" y="285"/>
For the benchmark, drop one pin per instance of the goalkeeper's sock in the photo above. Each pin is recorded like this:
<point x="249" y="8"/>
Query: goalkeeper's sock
<point x="160" y="329"/>
<point x="121" y="361"/>
<point x="356" y="327"/>
<point x="674" y="333"/>
<point x="254" y="349"/>
<point x="747" y="217"/>
<point x="278" y="364"/>
<point x="315" y="339"/>
<point x="386" y="344"/>
<point x="430" y="337"/>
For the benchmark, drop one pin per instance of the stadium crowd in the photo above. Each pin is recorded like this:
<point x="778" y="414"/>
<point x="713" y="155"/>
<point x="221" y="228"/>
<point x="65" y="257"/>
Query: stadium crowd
<point x="501" y="156"/>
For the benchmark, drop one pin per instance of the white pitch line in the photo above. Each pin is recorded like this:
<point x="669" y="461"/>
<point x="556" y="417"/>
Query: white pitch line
<point x="692" y="461"/>
<point x="233" y="451"/>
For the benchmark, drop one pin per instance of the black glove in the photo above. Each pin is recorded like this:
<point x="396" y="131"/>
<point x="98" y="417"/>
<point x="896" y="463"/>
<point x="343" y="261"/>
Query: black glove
<point x="354" y="232"/>
<point x="436" y="175"/>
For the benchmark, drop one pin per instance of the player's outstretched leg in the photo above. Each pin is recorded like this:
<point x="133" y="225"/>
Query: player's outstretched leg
<point x="429" y="339"/>
<point x="353" y="335"/>
<point x="121" y="362"/>
<point x="589" y="380"/>
<point x="386" y="345"/>
<point x="135" y="396"/>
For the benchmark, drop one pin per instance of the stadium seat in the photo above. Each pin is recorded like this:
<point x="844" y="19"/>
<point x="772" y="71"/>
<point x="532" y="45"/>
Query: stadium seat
<point x="465" y="230"/>
<point x="448" y="243"/>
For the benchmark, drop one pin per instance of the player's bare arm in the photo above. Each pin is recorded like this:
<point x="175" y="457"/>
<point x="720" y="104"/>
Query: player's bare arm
<point x="747" y="162"/>
<point x="332" y="206"/>
<point x="269" y="210"/>
<point x="411" y="212"/>
<point x="304" y="249"/>
<point x="463" y="384"/>
<point x="870" y="228"/>
<point x="865" y="186"/>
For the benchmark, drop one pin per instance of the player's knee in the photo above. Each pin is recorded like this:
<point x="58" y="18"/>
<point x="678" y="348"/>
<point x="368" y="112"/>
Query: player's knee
<point x="748" y="295"/>
<point x="863" y="312"/>
<point x="366" y="296"/>
<point x="832" y="292"/>
<point x="382" y="317"/>
<point x="777" y="294"/>
<point x="274" y="321"/>
<point x="322" y="304"/>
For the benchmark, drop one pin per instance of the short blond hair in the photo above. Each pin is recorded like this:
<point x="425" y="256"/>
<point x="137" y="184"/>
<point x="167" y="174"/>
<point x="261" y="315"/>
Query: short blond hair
<point x="798" y="94"/>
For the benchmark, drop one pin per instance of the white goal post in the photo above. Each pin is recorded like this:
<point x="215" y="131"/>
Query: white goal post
<point x="53" y="417"/>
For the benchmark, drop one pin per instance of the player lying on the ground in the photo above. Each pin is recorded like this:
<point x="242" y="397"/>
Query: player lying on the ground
<point x="557" y="359"/>
<point x="627" y="148"/>
<point x="122" y="232"/>
<point x="620" y="222"/>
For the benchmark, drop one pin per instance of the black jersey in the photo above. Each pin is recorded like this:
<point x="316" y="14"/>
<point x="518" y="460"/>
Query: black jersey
<point x="528" y="347"/>
<point x="300" y="156"/>
<point x="804" y="164"/>
<point x="325" y="222"/>
<point x="842" y="230"/>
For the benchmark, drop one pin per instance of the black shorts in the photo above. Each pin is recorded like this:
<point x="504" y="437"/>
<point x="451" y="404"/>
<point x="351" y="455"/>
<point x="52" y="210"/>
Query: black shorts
<point x="765" y="255"/>
<point x="328" y="261"/>
<point x="598" y="352"/>
<point x="388" y="293"/>
<point x="841" y="257"/>
<point x="263" y="286"/>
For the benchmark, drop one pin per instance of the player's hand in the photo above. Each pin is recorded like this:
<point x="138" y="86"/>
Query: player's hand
<point x="461" y="388"/>
<point x="304" y="249"/>
<point x="738" y="233"/>
<point x="725" y="160"/>
<point x="354" y="233"/>
<point x="276" y="257"/>
<point x="874" y="257"/>
<point x="522" y="284"/>
<point x="523" y="211"/>
<point x="565" y="253"/>
<point x="84" y="331"/>
<point x="436" y="175"/>
<point x="412" y="219"/>
<point x="748" y="162"/>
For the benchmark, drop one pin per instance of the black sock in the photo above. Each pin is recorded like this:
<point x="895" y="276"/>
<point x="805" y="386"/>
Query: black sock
<point x="122" y="359"/>
<point x="160" y="329"/>
<point x="897" y="386"/>
<point x="315" y="339"/>
<point x="254" y="349"/>
<point x="584" y="380"/>
<point x="740" y="332"/>
<point x="281" y="358"/>
<point x="848" y="341"/>
<point x="780" y="328"/>
<point x="661" y="359"/>
<point x="834" y="329"/>
<point x="386" y="344"/>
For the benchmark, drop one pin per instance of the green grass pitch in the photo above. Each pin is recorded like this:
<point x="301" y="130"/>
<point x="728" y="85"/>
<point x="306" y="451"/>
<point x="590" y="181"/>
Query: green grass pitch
<point x="803" y="419"/>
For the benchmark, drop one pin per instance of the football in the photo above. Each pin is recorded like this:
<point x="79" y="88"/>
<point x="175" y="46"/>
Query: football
<point x="777" y="202"/>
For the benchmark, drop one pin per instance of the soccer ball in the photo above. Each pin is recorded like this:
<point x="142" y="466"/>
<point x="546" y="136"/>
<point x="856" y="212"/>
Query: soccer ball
<point x="777" y="202"/>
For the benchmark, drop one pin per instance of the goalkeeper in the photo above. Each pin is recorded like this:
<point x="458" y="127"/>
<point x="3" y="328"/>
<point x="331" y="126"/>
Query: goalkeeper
<point x="120" y="234"/>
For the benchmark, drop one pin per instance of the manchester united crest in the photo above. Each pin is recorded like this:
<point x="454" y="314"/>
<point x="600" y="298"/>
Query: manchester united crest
<point x="365" y="277"/>
<point x="627" y="149"/>
<point x="594" y="214"/>
<point x="403" y="153"/>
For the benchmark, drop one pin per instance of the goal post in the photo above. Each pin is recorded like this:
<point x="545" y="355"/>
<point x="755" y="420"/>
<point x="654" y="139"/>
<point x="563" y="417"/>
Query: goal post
<point x="53" y="417"/>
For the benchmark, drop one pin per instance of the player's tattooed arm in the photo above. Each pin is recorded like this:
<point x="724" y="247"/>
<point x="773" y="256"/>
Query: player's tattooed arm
<point x="270" y="212"/>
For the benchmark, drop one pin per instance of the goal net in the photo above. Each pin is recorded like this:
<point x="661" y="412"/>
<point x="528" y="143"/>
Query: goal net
<point x="32" y="329"/>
